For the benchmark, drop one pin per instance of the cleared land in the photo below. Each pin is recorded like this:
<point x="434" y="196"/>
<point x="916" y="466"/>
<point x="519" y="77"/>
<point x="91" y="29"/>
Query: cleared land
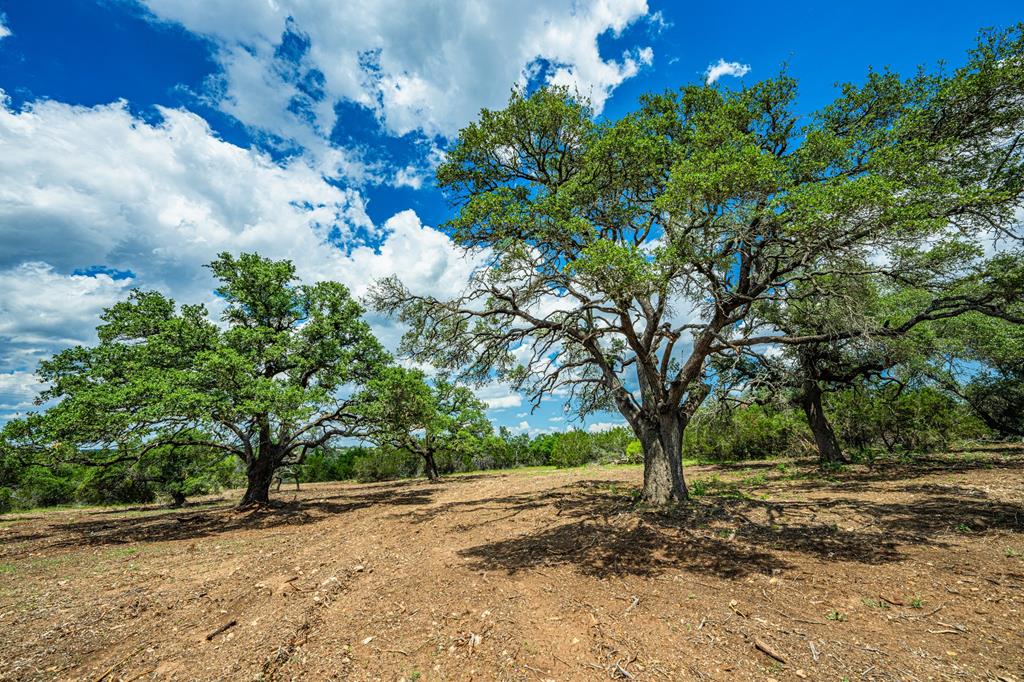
<point x="911" y="571"/>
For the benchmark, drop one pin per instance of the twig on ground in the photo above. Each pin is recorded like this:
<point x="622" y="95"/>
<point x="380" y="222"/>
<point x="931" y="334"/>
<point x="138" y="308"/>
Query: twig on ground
<point x="765" y="649"/>
<point x="230" y="624"/>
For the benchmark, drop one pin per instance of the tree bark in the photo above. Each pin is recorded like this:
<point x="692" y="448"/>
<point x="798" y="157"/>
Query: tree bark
<point x="430" y="466"/>
<point x="260" y="475"/>
<point x="825" y="439"/>
<point x="662" y="442"/>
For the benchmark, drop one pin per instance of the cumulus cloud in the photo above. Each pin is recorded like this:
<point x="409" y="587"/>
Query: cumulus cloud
<point x="86" y="192"/>
<point x="42" y="309"/>
<point x="426" y="67"/>
<point x="600" y="427"/>
<point x="18" y="390"/>
<point x="498" y="397"/>
<point x="724" y="68"/>
<point x="4" y="29"/>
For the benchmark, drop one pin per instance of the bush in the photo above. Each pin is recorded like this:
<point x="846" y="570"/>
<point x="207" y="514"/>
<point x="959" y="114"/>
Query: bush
<point x="908" y="419"/>
<point x="572" y="449"/>
<point x="381" y="464"/>
<point x="114" y="485"/>
<point x="6" y="500"/>
<point x="748" y="432"/>
<point x="40" y="487"/>
<point x="330" y="464"/>
<point x="635" y="452"/>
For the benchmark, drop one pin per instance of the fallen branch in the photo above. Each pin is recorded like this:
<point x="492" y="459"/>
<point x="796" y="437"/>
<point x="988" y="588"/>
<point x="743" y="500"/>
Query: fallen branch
<point x="230" y="624"/>
<point x="119" y="663"/>
<point x="765" y="649"/>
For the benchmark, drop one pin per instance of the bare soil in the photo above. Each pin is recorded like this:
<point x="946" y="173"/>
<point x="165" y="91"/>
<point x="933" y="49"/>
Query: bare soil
<point x="910" y="571"/>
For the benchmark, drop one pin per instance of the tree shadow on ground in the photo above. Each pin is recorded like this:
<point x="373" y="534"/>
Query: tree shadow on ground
<point x="726" y="536"/>
<point x="206" y="522"/>
<point x="805" y="475"/>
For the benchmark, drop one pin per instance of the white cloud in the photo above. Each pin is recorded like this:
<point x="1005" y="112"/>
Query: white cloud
<point x="43" y="309"/>
<point x="4" y="29"/>
<point x="499" y="397"/>
<point x="724" y="68"/>
<point x="599" y="427"/>
<point x="94" y="186"/>
<point x="18" y="390"/>
<point x="420" y="66"/>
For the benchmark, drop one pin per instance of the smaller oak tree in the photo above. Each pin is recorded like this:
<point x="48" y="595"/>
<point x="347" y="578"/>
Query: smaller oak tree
<point x="266" y="386"/>
<point x="402" y="411"/>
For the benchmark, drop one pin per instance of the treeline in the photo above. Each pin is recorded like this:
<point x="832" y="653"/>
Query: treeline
<point x="870" y="421"/>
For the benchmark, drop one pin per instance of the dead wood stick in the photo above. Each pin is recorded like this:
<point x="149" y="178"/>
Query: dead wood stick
<point x="118" y="664"/>
<point x="230" y="624"/>
<point x="764" y="648"/>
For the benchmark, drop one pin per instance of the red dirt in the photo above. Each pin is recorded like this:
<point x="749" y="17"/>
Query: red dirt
<point x="525" y="576"/>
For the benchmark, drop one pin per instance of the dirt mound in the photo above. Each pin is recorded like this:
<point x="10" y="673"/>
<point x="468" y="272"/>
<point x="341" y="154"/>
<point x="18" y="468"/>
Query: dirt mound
<point x="909" y="572"/>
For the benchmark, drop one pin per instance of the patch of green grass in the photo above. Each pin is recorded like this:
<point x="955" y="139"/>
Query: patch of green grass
<point x="6" y="568"/>
<point x="875" y="603"/>
<point x="835" y="615"/>
<point x="917" y="603"/>
<point x="122" y="552"/>
<point x="1011" y="552"/>
<point x="964" y="528"/>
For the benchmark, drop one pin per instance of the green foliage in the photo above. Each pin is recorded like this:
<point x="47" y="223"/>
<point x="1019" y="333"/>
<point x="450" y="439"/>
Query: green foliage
<point x="572" y="449"/>
<point x="732" y="206"/>
<point x="330" y="464"/>
<point x="906" y="419"/>
<point x="384" y="464"/>
<point x="748" y="432"/>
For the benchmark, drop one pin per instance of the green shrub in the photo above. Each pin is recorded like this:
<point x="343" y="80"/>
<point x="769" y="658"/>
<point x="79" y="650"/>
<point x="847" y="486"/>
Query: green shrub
<point x="750" y="432"/>
<point x="330" y="464"/>
<point x="381" y="464"/>
<point x="572" y="449"/>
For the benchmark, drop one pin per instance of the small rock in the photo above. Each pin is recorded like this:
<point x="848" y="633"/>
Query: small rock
<point x="367" y="640"/>
<point x="801" y="674"/>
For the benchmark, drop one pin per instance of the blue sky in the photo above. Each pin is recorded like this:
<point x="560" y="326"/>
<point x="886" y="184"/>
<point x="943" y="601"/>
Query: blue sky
<point x="137" y="139"/>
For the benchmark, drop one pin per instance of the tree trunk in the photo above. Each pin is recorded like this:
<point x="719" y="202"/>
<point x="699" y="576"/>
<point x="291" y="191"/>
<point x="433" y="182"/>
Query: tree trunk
<point x="430" y="466"/>
<point x="662" y="441"/>
<point x="260" y="475"/>
<point x="177" y="499"/>
<point x="825" y="439"/>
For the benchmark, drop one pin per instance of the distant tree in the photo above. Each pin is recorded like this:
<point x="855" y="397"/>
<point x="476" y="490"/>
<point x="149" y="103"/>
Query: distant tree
<point x="982" y="362"/>
<point x="619" y="256"/>
<point x="897" y="317"/>
<point x="402" y="411"/>
<point x="265" y="387"/>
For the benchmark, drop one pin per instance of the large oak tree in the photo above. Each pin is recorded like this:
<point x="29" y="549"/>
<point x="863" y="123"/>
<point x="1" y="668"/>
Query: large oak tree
<point x="621" y="255"/>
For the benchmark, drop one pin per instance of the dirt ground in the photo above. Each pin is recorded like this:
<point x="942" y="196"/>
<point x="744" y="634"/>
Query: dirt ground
<point x="910" y="572"/>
